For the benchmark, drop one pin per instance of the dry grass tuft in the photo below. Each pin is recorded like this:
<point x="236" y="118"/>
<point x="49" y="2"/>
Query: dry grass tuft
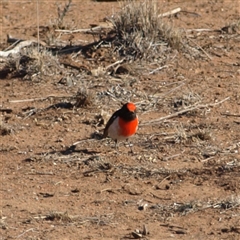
<point x="186" y="100"/>
<point x="31" y="64"/>
<point x="141" y="33"/>
<point x="84" y="98"/>
<point x="50" y="35"/>
<point x="76" y="219"/>
<point x="3" y="225"/>
<point x="62" y="13"/>
<point x="58" y="216"/>
<point x="181" y="134"/>
<point x="232" y="28"/>
<point x="183" y="209"/>
<point x="5" y="129"/>
<point x="201" y="134"/>
<point x="187" y="135"/>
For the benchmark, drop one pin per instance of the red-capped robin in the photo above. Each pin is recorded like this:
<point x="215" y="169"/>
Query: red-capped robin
<point x="123" y="123"/>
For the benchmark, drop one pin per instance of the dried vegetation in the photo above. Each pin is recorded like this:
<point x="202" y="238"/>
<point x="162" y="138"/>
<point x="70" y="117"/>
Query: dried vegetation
<point x="141" y="33"/>
<point x="94" y="79"/>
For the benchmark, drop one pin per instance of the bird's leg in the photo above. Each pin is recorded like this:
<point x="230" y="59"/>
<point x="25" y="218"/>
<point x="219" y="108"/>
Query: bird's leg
<point x="130" y="145"/>
<point x="116" y="145"/>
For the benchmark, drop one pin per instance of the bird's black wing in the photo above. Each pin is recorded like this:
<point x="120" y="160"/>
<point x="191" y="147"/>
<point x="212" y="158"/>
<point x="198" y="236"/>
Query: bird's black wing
<point x="110" y="121"/>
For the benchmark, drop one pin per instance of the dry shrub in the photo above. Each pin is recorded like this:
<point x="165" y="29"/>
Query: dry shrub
<point x="189" y="136"/>
<point x="232" y="28"/>
<point x="48" y="32"/>
<point x="31" y="64"/>
<point x="58" y="216"/>
<point x="5" y="129"/>
<point x="186" y="99"/>
<point x="84" y="98"/>
<point x="62" y="12"/>
<point x="140" y="32"/>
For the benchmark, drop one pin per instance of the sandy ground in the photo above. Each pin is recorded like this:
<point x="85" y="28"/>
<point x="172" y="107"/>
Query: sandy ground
<point x="182" y="181"/>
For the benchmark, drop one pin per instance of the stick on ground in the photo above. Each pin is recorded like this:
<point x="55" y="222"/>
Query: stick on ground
<point x="172" y="12"/>
<point x="189" y="109"/>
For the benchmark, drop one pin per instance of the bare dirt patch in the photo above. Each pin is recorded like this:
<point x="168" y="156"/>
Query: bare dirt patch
<point x="182" y="180"/>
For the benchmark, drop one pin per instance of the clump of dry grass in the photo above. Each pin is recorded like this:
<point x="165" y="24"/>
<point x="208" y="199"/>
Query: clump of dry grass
<point x="202" y="135"/>
<point x="58" y="216"/>
<point x="84" y="98"/>
<point x="59" y="22"/>
<point x="188" y="136"/>
<point x="5" y="129"/>
<point x="186" y="100"/>
<point x="222" y="204"/>
<point x="232" y="28"/>
<point x="31" y="64"/>
<point x="62" y="13"/>
<point x="181" y="134"/>
<point x="140" y="32"/>
<point x="77" y="219"/>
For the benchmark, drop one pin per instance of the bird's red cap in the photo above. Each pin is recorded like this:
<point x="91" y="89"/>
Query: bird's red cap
<point x="131" y="107"/>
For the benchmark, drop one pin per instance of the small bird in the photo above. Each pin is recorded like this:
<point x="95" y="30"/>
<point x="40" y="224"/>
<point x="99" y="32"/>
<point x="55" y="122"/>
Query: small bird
<point x="122" y="124"/>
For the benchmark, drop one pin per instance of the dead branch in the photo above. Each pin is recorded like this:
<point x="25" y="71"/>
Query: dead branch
<point x="30" y="229"/>
<point x="159" y="68"/>
<point x="39" y="173"/>
<point x="13" y="40"/>
<point x="86" y="30"/>
<point x="17" y="49"/>
<point x="172" y="12"/>
<point x="115" y="63"/>
<point x="201" y="48"/>
<point x="172" y="90"/>
<point x="189" y="109"/>
<point x="39" y="99"/>
<point x="83" y="140"/>
<point x="203" y="30"/>
<point x="230" y="114"/>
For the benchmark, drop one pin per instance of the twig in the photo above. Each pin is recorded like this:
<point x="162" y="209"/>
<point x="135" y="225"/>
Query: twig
<point x="106" y="189"/>
<point x="83" y="140"/>
<point x="214" y="104"/>
<point x="189" y="109"/>
<point x="32" y="112"/>
<point x="231" y="114"/>
<point x="40" y="173"/>
<point x="38" y="99"/>
<point x="201" y="49"/>
<point x="17" y="49"/>
<point x="159" y="68"/>
<point x="112" y="96"/>
<point x="30" y="229"/>
<point x="86" y="30"/>
<point x="191" y="13"/>
<point x="203" y="30"/>
<point x="172" y="90"/>
<point x="63" y="13"/>
<point x="77" y="30"/>
<point x="207" y="159"/>
<point x="113" y="64"/>
<point x="38" y="31"/>
<point x="161" y="198"/>
<point x="170" y="157"/>
<point x="164" y="179"/>
<point x="174" y="11"/>
<point x="13" y="40"/>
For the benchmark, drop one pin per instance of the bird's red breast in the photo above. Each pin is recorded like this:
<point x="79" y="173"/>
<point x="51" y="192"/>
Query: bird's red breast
<point x="123" y="123"/>
<point x="127" y="128"/>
